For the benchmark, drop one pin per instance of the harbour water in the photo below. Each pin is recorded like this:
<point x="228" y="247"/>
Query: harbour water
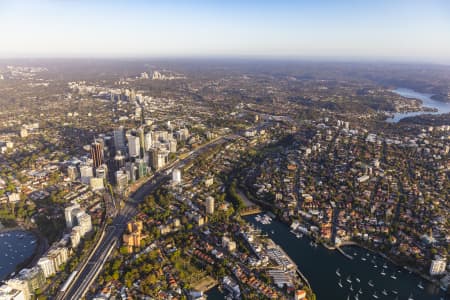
<point x="16" y="247"/>
<point x="320" y="266"/>
<point x="427" y="101"/>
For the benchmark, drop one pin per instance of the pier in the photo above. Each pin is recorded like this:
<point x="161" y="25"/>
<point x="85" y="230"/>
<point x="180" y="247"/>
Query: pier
<point x="251" y="210"/>
<point x="343" y="253"/>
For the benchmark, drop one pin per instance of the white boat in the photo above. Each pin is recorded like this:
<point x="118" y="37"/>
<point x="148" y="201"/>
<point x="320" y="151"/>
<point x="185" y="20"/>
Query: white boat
<point x="370" y="283"/>
<point x="375" y="266"/>
<point x="360" y="291"/>
<point x="348" y="279"/>
<point x="356" y="297"/>
<point x="338" y="273"/>
<point x="357" y="279"/>
<point x="363" y="258"/>
<point x="410" y="297"/>
<point x="384" y="292"/>
<point x="351" y="287"/>
<point x="385" y="266"/>
<point x="375" y="295"/>
<point x="383" y="273"/>
<point x="420" y="286"/>
<point x="393" y="276"/>
<point x="395" y="292"/>
<point x="340" y="283"/>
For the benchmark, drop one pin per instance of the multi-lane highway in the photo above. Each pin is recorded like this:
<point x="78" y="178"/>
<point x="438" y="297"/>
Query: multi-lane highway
<point x="110" y="238"/>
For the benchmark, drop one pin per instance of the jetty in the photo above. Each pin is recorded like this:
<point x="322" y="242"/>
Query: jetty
<point x="343" y="253"/>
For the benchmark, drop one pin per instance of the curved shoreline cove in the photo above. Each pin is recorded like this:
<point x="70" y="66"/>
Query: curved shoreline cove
<point x="16" y="247"/>
<point x="440" y="106"/>
<point x="322" y="266"/>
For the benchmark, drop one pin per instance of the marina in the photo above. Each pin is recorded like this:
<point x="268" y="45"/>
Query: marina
<point x="333" y="276"/>
<point x="16" y="246"/>
<point x="358" y="278"/>
<point x="264" y="219"/>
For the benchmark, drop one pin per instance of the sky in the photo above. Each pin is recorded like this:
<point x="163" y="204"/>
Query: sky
<point x="403" y="30"/>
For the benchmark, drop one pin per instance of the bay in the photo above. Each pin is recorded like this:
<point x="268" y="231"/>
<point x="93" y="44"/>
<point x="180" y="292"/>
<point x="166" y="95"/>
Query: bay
<point x="427" y="101"/>
<point x="319" y="265"/>
<point x="16" y="247"/>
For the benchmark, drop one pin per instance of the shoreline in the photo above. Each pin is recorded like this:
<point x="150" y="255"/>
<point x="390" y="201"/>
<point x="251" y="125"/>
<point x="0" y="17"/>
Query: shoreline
<point x="425" y="108"/>
<point x="384" y="256"/>
<point x="396" y="263"/>
<point x="9" y="229"/>
<point x="41" y="247"/>
<point x="297" y="269"/>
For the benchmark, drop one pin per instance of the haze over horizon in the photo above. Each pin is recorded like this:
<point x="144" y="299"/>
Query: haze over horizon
<point x="412" y="31"/>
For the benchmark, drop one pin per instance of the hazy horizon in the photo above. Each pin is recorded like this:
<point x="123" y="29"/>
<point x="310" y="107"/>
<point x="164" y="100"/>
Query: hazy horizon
<point x="366" y="31"/>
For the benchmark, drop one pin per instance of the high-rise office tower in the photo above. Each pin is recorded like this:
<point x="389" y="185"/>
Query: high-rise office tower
<point x="158" y="158"/>
<point x="72" y="172"/>
<point x="121" y="180"/>
<point x="119" y="139"/>
<point x="86" y="174"/>
<point x="142" y="168"/>
<point x="148" y="143"/>
<point x="134" y="148"/>
<point x="119" y="161"/>
<point x="140" y="134"/>
<point x="97" y="153"/>
<point x="102" y="171"/>
<point x="131" y="170"/>
<point x="108" y="146"/>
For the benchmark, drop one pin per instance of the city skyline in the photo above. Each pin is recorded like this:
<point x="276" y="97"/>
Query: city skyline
<point x="413" y="31"/>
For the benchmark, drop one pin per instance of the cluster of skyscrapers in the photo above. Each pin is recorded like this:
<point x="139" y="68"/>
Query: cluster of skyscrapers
<point x="125" y="156"/>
